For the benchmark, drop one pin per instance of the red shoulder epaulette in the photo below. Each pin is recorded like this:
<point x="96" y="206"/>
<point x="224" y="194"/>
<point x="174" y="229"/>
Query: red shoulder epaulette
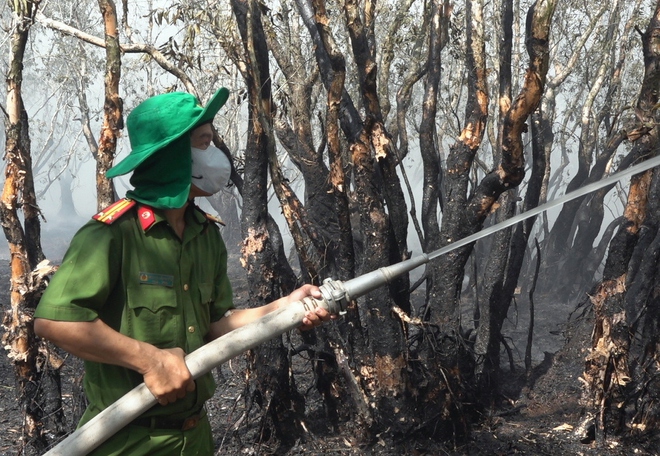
<point x="114" y="211"/>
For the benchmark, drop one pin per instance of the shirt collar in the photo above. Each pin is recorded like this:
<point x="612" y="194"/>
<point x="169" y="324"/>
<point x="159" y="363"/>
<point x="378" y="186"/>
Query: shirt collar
<point x="149" y="217"/>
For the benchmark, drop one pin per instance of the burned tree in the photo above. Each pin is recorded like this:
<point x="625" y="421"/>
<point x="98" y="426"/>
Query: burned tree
<point x="37" y="375"/>
<point x="268" y="272"/>
<point x="621" y="370"/>
<point x="318" y="77"/>
<point x="567" y="247"/>
<point x="464" y="211"/>
<point x="113" y="121"/>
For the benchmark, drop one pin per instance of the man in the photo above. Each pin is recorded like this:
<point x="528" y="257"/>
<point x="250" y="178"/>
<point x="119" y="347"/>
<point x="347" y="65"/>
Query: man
<point x="146" y="282"/>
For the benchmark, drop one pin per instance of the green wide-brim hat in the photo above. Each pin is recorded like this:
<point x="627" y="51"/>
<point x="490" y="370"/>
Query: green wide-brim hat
<point x="160" y="120"/>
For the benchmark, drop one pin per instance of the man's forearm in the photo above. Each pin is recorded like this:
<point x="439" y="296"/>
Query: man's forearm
<point x="237" y="318"/>
<point x="96" y="341"/>
<point x="241" y="317"/>
<point x="164" y="371"/>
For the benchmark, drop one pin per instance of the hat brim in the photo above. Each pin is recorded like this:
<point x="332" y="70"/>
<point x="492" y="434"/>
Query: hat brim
<point x="216" y="102"/>
<point x="138" y="156"/>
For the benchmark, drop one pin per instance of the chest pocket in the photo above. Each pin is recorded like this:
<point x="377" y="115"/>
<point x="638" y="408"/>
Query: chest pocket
<point x="152" y="315"/>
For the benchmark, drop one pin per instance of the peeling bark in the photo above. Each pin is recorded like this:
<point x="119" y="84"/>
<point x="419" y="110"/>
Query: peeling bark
<point x="620" y="369"/>
<point x="37" y="378"/>
<point x="113" y="121"/>
<point x="432" y="185"/>
<point x="463" y="217"/>
<point x="507" y="249"/>
<point x="268" y="272"/>
<point x="378" y="202"/>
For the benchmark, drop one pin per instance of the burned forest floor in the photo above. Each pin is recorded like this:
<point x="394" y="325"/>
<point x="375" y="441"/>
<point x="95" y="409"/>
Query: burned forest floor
<point x="538" y="414"/>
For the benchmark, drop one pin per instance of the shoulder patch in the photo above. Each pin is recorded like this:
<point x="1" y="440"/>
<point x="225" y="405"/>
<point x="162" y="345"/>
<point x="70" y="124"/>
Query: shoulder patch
<point x="111" y="213"/>
<point x="146" y="216"/>
<point x="214" y="219"/>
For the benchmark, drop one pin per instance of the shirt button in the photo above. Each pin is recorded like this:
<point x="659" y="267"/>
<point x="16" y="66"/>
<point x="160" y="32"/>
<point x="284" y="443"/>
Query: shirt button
<point x="191" y="329"/>
<point x="185" y="287"/>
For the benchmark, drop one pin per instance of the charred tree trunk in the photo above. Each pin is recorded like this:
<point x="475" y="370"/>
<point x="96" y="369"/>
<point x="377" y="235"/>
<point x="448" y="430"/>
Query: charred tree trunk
<point x="385" y="156"/>
<point x="607" y="369"/>
<point x="621" y="369"/>
<point x="579" y="270"/>
<point x="446" y="274"/>
<point x="323" y="250"/>
<point x="431" y="197"/>
<point x="560" y="245"/>
<point x="538" y="23"/>
<point x="339" y="182"/>
<point x="341" y="350"/>
<point x="464" y="215"/>
<point x="374" y="374"/>
<point x="37" y="374"/>
<point x="342" y="371"/>
<point x="493" y="307"/>
<point x="226" y="205"/>
<point x="586" y="224"/>
<point x="381" y="363"/>
<point x="262" y="253"/>
<point x="113" y="121"/>
<point x="67" y="206"/>
<point x="340" y="113"/>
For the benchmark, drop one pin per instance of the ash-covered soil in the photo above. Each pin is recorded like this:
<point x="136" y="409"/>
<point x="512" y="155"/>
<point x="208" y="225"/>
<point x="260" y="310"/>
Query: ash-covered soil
<point x="540" y="418"/>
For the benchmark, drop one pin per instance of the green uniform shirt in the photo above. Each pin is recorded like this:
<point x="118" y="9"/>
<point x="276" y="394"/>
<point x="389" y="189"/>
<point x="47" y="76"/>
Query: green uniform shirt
<point x="145" y="283"/>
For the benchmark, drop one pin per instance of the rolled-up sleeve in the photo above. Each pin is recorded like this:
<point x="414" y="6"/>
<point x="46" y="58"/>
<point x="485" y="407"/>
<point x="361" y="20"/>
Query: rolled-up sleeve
<point x="223" y="290"/>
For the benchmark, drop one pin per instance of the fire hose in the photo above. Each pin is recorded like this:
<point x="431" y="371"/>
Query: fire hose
<point x="336" y="295"/>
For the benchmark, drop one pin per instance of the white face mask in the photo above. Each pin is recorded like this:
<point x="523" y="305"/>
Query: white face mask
<point x="210" y="169"/>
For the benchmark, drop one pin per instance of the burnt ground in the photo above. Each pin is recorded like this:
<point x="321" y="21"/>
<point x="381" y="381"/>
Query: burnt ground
<point x="540" y="414"/>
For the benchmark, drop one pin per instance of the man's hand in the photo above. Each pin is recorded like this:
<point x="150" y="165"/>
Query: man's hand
<point x="168" y="377"/>
<point x="241" y="317"/>
<point x="314" y="317"/>
<point x="165" y="372"/>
